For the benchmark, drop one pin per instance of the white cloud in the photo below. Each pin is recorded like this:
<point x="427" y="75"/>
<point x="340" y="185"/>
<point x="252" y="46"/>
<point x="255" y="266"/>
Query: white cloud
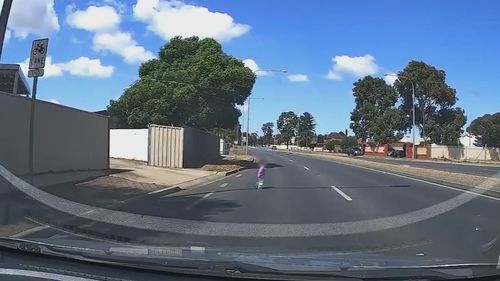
<point x="36" y="17"/>
<point x="8" y="34"/>
<point x="169" y="18"/>
<point x="82" y="66"/>
<point x="390" y="79"/>
<point x="121" y="43"/>
<point x="104" y="23"/>
<point x="242" y="108"/>
<point x="298" y="77"/>
<point x="93" y="18"/>
<point x="50" y="70"/>
<point x="355" y="66"/>
<point x="250" y="63"/>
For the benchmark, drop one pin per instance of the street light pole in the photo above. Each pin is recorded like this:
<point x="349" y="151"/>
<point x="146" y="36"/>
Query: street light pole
<point x="298" y="129"/>
<point x="414" y="129"/>
<point x="413" y="110"/>
<point x="248" y="106"/>
<point x="248" y="126"/>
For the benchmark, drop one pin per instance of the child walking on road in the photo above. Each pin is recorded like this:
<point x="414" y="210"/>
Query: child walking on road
<point x="260" y="175"/>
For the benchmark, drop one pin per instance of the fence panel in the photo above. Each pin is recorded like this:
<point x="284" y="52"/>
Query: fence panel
<point x="165" y="146"/>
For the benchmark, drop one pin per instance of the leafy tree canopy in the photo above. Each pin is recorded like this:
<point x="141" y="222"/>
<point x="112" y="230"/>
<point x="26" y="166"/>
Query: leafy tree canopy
<point x="375" y="116"/>
<point x="431" y="93"/>
<point x="487" y="128"/>
<point x="267" y="130"/>
<point x="306" y="129"/>
<point x="287" y="125"/>
<point x="192" y="82"/>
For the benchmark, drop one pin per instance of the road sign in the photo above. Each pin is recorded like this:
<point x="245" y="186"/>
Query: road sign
<point x="38" y="53"/>
<point x="35" y="72"/>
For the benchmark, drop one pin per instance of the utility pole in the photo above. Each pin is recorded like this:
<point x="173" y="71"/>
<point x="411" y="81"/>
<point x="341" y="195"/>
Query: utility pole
<point x="248" y="126"/>
<point x="4" y="18"/>
<point x="249" y="98"/>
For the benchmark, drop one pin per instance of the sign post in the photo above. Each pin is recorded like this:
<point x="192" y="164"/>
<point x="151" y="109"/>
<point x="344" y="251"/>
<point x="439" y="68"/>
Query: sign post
<point x="37" y="63"/>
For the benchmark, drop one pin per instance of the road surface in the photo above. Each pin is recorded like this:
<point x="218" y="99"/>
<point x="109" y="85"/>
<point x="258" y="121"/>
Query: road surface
<point x="307" y="204"/>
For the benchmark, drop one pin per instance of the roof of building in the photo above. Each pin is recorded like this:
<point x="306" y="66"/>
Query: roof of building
<point x="9" y="74"/>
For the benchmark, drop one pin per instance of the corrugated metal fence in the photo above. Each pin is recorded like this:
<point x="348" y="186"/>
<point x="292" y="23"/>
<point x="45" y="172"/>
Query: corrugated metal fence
<point x="166" y="146"/>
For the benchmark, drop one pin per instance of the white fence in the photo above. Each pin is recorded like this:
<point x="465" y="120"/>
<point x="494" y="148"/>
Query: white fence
<point x="471" y="153"/>
<point x="129" y="144"/>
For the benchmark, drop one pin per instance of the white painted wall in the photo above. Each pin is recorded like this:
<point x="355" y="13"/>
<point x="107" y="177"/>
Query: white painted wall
<point x="129" y="144"/>
<point x="465" y="153"/>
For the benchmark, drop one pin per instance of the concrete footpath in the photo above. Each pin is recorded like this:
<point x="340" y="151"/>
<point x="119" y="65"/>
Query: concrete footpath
<point x="129" y="180"/>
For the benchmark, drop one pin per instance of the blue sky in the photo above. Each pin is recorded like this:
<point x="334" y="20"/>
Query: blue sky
<point x="96" y="47"/>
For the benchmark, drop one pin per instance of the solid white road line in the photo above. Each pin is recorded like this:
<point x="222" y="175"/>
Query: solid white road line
<point x="238" y="175"/>
<point x="346" y="197"/>
<point x="306" y="168"/>
<point x="224" y="184"/>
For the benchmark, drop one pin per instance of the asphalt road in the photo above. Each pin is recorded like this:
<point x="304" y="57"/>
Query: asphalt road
<point x="308" y="204"/>
<point x="470" y="169"/>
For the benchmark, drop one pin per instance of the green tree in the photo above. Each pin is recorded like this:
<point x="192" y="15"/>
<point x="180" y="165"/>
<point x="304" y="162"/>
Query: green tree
<point x="330" y="146"/>
<point x="192" y="82"/>
<point x="287" y="125"/>
<point x="445" y="126"/>
<point x="348" y="142"/>
<point x="277" y="139"/>
<point x="433" y="99"/>
<point x="267" y="130"/>
<point x="254" y="137"/>
<point x="487" y="128"/>
<point x="375" y="116"/>
<point x="306" y="129"/>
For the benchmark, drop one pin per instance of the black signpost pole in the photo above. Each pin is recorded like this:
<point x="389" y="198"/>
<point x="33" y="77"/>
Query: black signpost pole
<point x="32" y="129"/>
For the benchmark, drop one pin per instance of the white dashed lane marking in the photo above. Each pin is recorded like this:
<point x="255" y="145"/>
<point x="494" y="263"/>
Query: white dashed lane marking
<point x="346" y="197"/>
<point x="238" y="175"/>
<point x="195" y="203"/>
<point x="207" y="195"/>
<point x="306" y="168"/>
<point x="290" y="160"/>
<point x="224" y="184"/>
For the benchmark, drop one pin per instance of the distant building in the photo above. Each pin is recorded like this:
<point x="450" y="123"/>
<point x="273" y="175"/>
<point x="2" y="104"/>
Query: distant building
<point x="12" y="80"/>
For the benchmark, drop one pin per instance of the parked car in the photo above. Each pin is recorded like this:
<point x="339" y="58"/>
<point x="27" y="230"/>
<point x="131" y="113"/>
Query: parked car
<point x="397" y="153"/>
<point x="274" y="147"/>
<point x="354" y="151"/>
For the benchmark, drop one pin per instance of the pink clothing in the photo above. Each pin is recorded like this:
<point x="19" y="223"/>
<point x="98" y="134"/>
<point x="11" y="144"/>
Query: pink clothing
<point x="261" y="173"/>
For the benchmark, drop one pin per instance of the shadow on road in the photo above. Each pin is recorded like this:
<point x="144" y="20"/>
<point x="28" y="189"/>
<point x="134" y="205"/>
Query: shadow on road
<point x="292" y="188"/>
<point x="191" y="207"/>
<point x="273" y="165"/>
<point x="101" y="191"/>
